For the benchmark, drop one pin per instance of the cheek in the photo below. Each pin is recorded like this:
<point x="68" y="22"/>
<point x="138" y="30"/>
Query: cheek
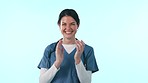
<point x="75" y="28"/>
<point x="61" y="29"/>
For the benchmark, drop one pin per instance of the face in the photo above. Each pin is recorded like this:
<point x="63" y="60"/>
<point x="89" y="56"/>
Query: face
<point x="68" y="27"/>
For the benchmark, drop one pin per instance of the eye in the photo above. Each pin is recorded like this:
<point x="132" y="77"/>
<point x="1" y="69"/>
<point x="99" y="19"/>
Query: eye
<point x="63" y="24"/>
<point x="73" y="23"/>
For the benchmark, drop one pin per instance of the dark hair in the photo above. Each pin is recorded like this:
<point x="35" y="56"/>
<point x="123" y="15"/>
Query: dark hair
<point x="69" y="12"/>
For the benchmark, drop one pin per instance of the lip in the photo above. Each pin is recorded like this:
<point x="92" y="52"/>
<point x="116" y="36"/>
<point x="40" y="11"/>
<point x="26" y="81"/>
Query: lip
<point x="68" y="32"/>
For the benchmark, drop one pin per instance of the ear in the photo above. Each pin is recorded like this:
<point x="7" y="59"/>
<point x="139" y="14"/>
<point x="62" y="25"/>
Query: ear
<point x="77" y="26"/>
<point x="59" y="26"/>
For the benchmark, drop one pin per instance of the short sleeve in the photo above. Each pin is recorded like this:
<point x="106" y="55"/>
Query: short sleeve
<point x="91" y="63"/>
<point x="45" y="63"/>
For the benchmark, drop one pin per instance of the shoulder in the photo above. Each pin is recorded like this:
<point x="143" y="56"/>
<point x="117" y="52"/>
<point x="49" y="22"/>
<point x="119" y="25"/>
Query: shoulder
<point x="88" y="48"/>
<point x="51" y="46"/>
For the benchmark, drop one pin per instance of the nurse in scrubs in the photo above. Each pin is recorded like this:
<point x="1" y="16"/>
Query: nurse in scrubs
<point x="68" y="60"/>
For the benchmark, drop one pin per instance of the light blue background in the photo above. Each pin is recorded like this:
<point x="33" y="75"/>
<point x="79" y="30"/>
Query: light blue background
<point x="117" y="29"/>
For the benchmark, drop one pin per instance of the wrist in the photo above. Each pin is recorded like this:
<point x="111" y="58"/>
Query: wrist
<point x="77" y="60"/>
<point x="57" y="64"/>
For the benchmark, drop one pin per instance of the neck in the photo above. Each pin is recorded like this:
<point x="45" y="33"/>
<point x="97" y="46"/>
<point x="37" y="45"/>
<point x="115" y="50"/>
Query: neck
<point x="69" y="41"/>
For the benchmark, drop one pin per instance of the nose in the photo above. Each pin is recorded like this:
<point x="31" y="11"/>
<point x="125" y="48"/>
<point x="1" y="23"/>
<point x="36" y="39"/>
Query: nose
<point x="68" y="27"/>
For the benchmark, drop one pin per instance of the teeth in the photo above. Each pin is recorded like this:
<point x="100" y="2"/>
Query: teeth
<point x="68" y="32"/>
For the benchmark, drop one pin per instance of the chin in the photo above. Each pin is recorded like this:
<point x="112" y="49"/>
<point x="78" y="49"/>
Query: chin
<point x="68" y="37"/>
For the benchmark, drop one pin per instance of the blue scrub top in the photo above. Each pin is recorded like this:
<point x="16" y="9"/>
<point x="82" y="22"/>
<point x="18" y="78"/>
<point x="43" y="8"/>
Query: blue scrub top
<point x="67" y="72"/>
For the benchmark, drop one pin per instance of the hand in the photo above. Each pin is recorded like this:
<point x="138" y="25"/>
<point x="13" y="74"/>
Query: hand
<point x="59" y="54"/>
<point x="80" y="48"/>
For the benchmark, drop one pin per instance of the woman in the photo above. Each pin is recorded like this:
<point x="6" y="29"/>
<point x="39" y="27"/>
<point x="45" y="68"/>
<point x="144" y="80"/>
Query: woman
<point x="68" y="60"/>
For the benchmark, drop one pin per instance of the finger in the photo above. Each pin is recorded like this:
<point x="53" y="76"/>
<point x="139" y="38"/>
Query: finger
<point x="59" y="45"/>
<point x="83" y="44"/>
<point x="77" y="46"/>
<point x="80" y="46"/>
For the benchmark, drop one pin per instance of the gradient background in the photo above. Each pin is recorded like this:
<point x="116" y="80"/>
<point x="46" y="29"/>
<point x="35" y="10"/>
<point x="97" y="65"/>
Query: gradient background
<point x="117" y="29"/>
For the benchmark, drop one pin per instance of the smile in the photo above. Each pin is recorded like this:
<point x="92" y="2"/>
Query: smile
<point x="68" y="32"/>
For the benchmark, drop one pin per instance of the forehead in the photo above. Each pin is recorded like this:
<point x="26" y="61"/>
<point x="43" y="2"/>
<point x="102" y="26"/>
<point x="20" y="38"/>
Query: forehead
<point x="67" y="19"/>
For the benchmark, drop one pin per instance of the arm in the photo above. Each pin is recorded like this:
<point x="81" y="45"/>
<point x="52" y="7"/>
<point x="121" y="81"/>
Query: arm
<point x="83" y="75"/>
<point x="46" y="75"/>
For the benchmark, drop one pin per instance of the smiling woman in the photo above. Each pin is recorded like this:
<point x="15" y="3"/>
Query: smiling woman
<point x="68" y="60"/>
<point x="68" y="27"/>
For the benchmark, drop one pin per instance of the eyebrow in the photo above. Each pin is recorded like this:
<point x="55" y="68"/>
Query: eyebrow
<point x="71" y="22"/>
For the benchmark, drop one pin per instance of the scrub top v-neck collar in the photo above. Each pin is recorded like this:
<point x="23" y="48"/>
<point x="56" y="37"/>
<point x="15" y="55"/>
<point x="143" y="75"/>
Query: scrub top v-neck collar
<point x="69" y="48"/>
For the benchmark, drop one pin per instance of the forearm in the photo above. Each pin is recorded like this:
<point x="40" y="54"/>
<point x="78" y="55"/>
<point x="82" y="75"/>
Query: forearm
<point x="47" y="75"/>
<point x="83" y="75"/>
